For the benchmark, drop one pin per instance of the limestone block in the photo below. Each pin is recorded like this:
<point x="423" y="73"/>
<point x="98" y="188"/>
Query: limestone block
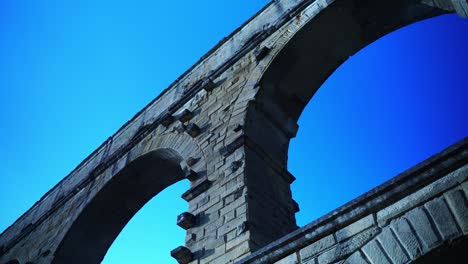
<point x="457" y="201"/>
<point x="355" y="228"/>
<point x="442" y="217"/>
<point x="407" y="237"/>
<point x="316" y="247"/>
<point x="392" y="247"/>
<point x="423" y="227"/>
<point x="375" y="253"/>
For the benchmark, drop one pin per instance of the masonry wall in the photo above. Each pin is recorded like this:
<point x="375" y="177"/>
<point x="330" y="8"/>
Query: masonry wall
<point x="401" y="221"/>
<point x="226" y="129"/>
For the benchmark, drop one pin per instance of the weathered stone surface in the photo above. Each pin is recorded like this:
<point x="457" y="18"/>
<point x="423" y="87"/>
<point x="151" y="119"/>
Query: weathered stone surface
<point x="407" y="237"/>
<point x="422" y="195"/>
<point x="423" y="227"/>
<point x="230" y="118"/>
<point x="392" y="247"/>
<point x="182" y="254"/>
<point x="344" y="249"/>
<point x="459" y="205"/>
<point x="316" y="247"/>
<point x="355" y="228"/>
<point x="186" y="220"/>
<point x="375" y="253"/>
<point x="443" y="218"/>
<point x="356" y="258"/>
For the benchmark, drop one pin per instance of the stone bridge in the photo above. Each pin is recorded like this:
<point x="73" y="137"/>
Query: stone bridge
<point x="225" y="125"/>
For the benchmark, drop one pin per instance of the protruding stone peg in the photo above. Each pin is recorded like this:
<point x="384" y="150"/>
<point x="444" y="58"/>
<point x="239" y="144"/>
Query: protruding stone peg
<point x="191" y="175"/>
<point x="193" y="130"/>
<point x="185" y="116"/>
<point x="261" y="53"/>
<point x="238" y="128"/>
<point x="191" y="161"/>
<point x="186" y="220"/>
<point x="208" y="85"/>
<point x="167" y="120"/>
<point x="182" y="254"/>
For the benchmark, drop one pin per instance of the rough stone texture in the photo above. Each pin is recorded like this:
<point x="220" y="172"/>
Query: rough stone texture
<point x="407" y="237"/>
<point x="356" y="258"/>
<point x="209" y="127"/>
<point x="457" y="201"/>
<point x="291" y="259"/>
<point x="355" y="228"/>
<point x="315" y="248"/>
<point x="374" y="252"/>
<point x="392" y="247"/>
<point x="413" y="232"/>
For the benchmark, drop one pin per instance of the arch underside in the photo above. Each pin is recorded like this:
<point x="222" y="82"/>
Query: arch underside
<point x="452" y="252"/>
<point x="100" y="222"/>
<point x="327" y="41"/>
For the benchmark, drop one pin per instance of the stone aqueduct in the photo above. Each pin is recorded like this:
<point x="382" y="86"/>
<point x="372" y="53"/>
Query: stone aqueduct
<point x="225" y="125"/>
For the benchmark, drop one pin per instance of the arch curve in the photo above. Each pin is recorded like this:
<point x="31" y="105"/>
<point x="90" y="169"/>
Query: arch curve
<point x="106" y="214"/>
<point x="320" y="39"/>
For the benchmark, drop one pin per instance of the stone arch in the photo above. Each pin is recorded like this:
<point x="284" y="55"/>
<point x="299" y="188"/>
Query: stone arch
<point x="298" y="58"/>
<point x="102" y="219"/>
<point x="319" y="40"/>
<point x="291" y="65"/>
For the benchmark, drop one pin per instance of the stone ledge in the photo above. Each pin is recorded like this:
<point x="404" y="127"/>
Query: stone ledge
<point x="397" y="188"/>
<point x="196" y="190"/>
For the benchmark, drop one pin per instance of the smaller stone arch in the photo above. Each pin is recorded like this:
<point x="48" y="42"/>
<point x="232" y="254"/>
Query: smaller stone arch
<point x="106" y="214"/>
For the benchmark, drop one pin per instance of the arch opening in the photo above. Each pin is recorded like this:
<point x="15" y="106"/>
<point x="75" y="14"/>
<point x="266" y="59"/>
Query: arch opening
<point x="452" y="252"/>
<point x="324" y="43"/>
<point x="314" y="53"/>
<point x="104" y="217"/>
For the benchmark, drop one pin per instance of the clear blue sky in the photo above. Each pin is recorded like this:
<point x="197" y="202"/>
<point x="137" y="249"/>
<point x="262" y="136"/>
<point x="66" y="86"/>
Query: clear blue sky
<point x="72" y="73"/>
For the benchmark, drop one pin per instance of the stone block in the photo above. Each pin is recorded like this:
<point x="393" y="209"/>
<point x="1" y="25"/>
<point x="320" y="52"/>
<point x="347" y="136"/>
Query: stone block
<point x="355" y="228"/>
<point x="201" y="187"/>
<point x="182" y="254"/>
<point x="421" y="196"/>
<point x="408" y="237"/>
<point x="440" y="213"/>
<point x="291" y="259"/>
<point x="375" y="253"/>
<point x="193" y="130"/>
<point x="355" y="258"/>
<point x="423" y="227"/>
<point x="315" y="248"/>
<point x="347" y="247"/>
<point x="186" y="220"/>
<point x="392" y="247"/>
<point x="185" y="116"/>
<point x="457" y="201"/>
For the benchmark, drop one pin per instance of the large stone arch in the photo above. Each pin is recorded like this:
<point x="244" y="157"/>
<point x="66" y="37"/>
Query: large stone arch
<point x="301" y="55"/>
<point x="105" y="215"/>
<point x="154" y="164"/>
<point x="292" y="64"/>
<point x="227" y="123"/>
